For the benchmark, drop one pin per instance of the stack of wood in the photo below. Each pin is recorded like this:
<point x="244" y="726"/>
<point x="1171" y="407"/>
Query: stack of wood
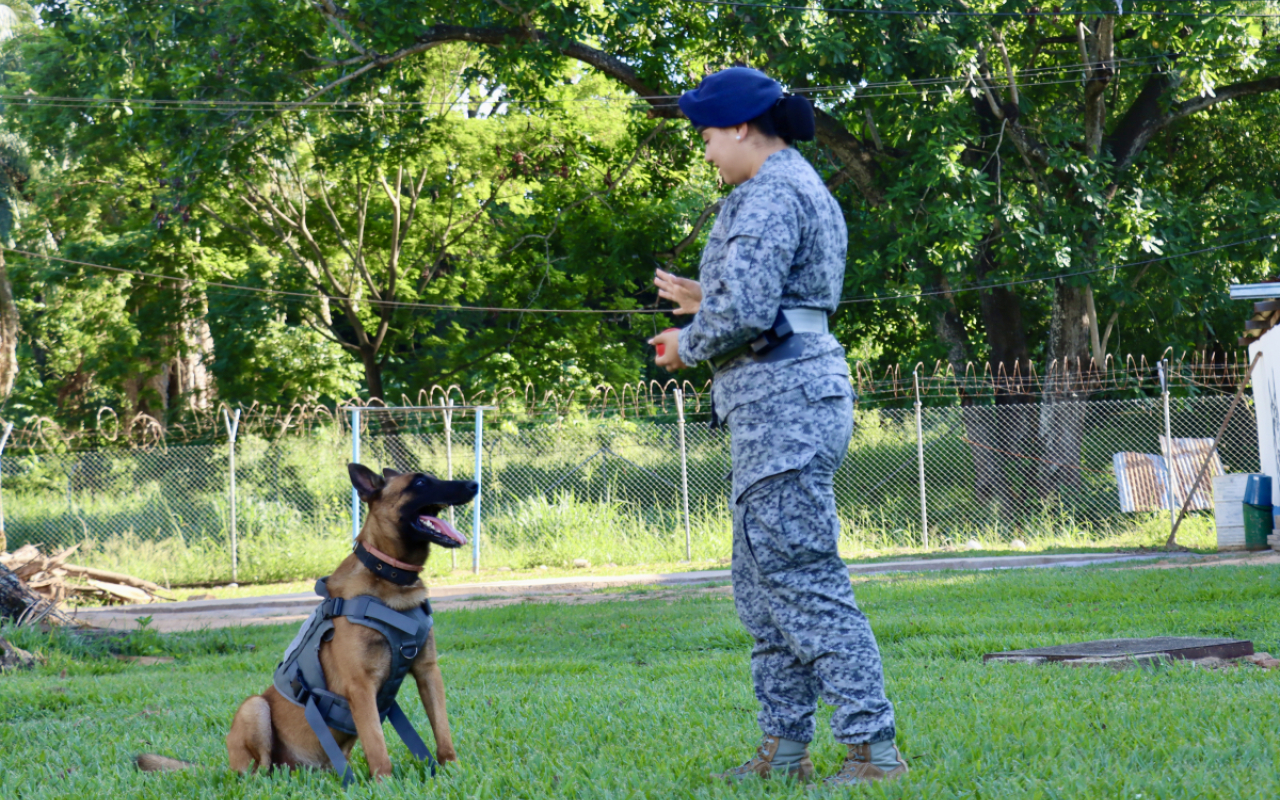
<point x="1266" y="313"/>
<point x="55" y="579"/>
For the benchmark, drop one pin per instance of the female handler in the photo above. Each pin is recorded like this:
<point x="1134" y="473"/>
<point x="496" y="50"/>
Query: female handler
<point x="779" y="243"/>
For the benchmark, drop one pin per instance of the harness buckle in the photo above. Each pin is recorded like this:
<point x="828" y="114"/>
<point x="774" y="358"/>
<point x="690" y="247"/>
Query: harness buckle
<point x="409" y="656"/>
<point x="335" y="607"/>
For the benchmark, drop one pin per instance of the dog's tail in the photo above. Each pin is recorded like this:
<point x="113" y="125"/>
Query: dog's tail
<point x="150" y="762"/>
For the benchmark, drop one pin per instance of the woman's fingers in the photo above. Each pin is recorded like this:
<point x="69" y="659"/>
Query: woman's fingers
<point x="685" y="293"/>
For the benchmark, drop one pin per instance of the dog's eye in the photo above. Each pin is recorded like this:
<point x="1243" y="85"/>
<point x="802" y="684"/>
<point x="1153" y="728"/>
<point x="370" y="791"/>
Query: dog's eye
<point x="419" y="481"/>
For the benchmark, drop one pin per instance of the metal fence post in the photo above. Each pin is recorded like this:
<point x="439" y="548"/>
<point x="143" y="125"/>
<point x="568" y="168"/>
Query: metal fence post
<point x="684" y="476"/>
<point x="355" y="459"/>
<point x="475" y="504"/>
<point x="924" y="505"/>
<point x="1166" y="449"/>
<point x="8" y="428"/>
<point x="233" y="426"/>
<point x="448" y="460"/>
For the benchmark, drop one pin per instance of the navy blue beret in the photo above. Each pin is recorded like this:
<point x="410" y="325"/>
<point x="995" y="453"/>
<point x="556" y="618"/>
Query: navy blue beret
<point x="730" y="97"/>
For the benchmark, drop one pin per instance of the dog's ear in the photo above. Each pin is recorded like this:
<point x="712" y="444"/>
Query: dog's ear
<point x="368" y="483"/>
<point x="389" y="473"/>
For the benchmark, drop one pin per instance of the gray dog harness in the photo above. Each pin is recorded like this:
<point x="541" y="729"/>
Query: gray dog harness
<point x="300" y="677"/>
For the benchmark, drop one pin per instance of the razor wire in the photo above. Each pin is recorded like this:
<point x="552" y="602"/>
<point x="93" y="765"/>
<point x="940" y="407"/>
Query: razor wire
<point x="606" y="490"/>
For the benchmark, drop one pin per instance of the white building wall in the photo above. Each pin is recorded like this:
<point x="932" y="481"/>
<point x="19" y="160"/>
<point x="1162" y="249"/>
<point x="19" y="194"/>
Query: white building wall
<point x="1266" y="399"/>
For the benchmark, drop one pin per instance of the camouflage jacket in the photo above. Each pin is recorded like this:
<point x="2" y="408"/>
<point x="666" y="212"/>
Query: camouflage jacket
<point x="778" y="242"/>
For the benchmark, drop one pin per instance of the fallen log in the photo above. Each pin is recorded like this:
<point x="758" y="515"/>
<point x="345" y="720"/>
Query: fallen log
<point x="112" y="577"/>
<point x="127" y="593"/>
<point x="19" y="557"/>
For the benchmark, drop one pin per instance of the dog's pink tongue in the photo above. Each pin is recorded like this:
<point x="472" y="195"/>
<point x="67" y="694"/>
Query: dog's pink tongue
<point x="444" y="527"/>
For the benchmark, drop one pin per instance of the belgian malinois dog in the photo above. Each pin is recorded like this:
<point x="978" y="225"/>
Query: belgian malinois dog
<point x="403" y="522"/>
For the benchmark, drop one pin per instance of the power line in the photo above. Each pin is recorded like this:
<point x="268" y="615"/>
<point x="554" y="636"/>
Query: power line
<point x="1028" y="13"/>
<point x="908" y="85"/>
<point x="906" y="89"/>
<point x="637" y="311"/>
<point x="1044" y="279"/>
<point x="321" y="296"/>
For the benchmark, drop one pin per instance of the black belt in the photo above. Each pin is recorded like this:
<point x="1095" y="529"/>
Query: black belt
<point x="778" y="343"/>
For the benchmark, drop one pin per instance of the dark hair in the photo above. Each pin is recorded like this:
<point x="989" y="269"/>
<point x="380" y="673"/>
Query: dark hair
<point x="791" y="118"/>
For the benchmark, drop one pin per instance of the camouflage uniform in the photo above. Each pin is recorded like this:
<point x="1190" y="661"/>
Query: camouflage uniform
<point x="779" y="242"/>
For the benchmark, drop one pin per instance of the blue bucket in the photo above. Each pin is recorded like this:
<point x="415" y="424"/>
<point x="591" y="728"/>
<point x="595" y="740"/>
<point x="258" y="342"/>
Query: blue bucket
<point x="1257" y="490"/>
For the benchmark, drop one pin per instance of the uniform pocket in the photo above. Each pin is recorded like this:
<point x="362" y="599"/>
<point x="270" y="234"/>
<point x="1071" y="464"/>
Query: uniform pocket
<point x="790" y="521"/>
<point x="827" y="387"/>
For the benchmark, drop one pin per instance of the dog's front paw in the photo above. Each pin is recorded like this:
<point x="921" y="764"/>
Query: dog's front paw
<point x="447" y="756"/>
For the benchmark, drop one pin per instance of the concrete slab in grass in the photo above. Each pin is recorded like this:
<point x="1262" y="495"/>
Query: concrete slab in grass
<point x="1141" y="651"/>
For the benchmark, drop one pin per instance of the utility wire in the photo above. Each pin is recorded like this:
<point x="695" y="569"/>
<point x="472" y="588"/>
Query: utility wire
<point x="1044" y="279"/>
<point x="509" y="310"/>
<point x="907" y="85"/>
<point x="1027" y="13"/>
<point x="906" y="89"/>
<point x="319" y="296"/>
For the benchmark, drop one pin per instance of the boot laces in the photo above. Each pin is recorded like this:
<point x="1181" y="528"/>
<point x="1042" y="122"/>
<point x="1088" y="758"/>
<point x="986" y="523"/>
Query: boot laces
<point x="761" y="756"/>
<point x="854" y="762"/>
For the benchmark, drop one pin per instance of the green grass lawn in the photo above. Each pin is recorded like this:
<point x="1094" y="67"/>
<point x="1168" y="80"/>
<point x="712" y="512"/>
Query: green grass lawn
<point x="641" y="699"/>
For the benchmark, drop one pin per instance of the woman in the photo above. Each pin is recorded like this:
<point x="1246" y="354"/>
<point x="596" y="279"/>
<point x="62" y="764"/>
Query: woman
<point x="773" y="266"/>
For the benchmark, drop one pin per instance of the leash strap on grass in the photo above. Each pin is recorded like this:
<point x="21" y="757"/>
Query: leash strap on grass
<point x="410" y="737"/>
<point x="316" y="720"/>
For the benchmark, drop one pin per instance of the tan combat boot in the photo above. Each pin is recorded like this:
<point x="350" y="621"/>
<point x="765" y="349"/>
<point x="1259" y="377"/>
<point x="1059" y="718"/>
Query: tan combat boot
<point x="858" y="768"/>
<point x="762" y="765"/>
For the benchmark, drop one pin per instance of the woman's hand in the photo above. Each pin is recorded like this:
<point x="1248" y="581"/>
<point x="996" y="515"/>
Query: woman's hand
<point x="670" y="341"/>
<point x="686" y="294"/>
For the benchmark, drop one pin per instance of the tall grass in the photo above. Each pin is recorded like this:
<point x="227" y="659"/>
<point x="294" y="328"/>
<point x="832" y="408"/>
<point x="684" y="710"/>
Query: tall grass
<point x="605" y="491"/>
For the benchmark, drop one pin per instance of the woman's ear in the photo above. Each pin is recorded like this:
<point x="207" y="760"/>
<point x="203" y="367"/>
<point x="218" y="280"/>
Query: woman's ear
<point x="740" y="131"/>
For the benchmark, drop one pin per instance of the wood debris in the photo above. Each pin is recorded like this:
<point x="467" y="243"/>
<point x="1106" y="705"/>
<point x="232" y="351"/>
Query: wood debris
<point x="55" y="580"/>
<point x="16" y="658"/>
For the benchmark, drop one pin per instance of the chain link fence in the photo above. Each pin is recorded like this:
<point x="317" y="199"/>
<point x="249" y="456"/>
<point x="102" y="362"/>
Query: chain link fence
<point x="606" y="490"/>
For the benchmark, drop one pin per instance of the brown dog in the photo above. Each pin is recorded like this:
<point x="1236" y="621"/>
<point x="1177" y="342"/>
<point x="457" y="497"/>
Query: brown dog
<point x="269" y="730"/>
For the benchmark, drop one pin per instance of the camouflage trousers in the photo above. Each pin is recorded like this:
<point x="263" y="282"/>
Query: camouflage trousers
<point x="790" y="587"/>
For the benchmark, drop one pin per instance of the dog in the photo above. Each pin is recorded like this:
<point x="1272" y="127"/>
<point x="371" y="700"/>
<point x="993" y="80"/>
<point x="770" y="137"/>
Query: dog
<point x="270" y="729"/>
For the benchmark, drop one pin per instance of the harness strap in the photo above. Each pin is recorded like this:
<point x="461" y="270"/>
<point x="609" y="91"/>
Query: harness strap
<point x="367" y="606"/>
<point x="410" y="737"/>
<point x="331" y="749"/>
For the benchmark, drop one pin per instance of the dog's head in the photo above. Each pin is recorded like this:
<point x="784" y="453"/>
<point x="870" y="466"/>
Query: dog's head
<point x="408" y="504"/>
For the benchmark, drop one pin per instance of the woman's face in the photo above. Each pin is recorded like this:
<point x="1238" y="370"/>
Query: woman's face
<point x="730" y="150"/>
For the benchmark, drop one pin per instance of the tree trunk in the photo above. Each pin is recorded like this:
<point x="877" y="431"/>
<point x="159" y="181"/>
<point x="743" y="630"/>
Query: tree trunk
<point x="372" y="373"/>
<point x="1013" y="420"/>
<point x="1062" y="409"/>
<point x="383" y="424"/>
<point x="9" y="331"/>
<point x="191" y="368"/>
<point x="981" y="430"/>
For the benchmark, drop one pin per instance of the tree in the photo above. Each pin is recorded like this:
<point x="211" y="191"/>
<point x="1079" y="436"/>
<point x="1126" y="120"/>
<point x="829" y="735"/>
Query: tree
<point x="15" y="171"/>
<point x="421" y="187"/>
<point x="978" y="177"/>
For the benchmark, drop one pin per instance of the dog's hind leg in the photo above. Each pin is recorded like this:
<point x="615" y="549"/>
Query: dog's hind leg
<point x="249" y="742"/>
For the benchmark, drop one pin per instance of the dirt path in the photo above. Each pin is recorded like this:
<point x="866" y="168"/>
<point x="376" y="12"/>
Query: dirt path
<point x="293" y="608"/>
<point x="127" y="619"/>
<point x="1263" y="558"/>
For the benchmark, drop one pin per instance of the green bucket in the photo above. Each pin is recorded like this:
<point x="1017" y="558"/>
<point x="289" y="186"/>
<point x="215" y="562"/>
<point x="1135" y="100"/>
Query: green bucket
<point x="1257" y="526"/>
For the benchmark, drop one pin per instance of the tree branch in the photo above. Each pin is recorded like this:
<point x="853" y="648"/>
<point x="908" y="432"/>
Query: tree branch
<point x="831" y="132"/>
<point x="1099" y="74"/>
<point x="674" y="252"/>
<point x="857" y="160"/>
<point x="1145" y="118"/>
